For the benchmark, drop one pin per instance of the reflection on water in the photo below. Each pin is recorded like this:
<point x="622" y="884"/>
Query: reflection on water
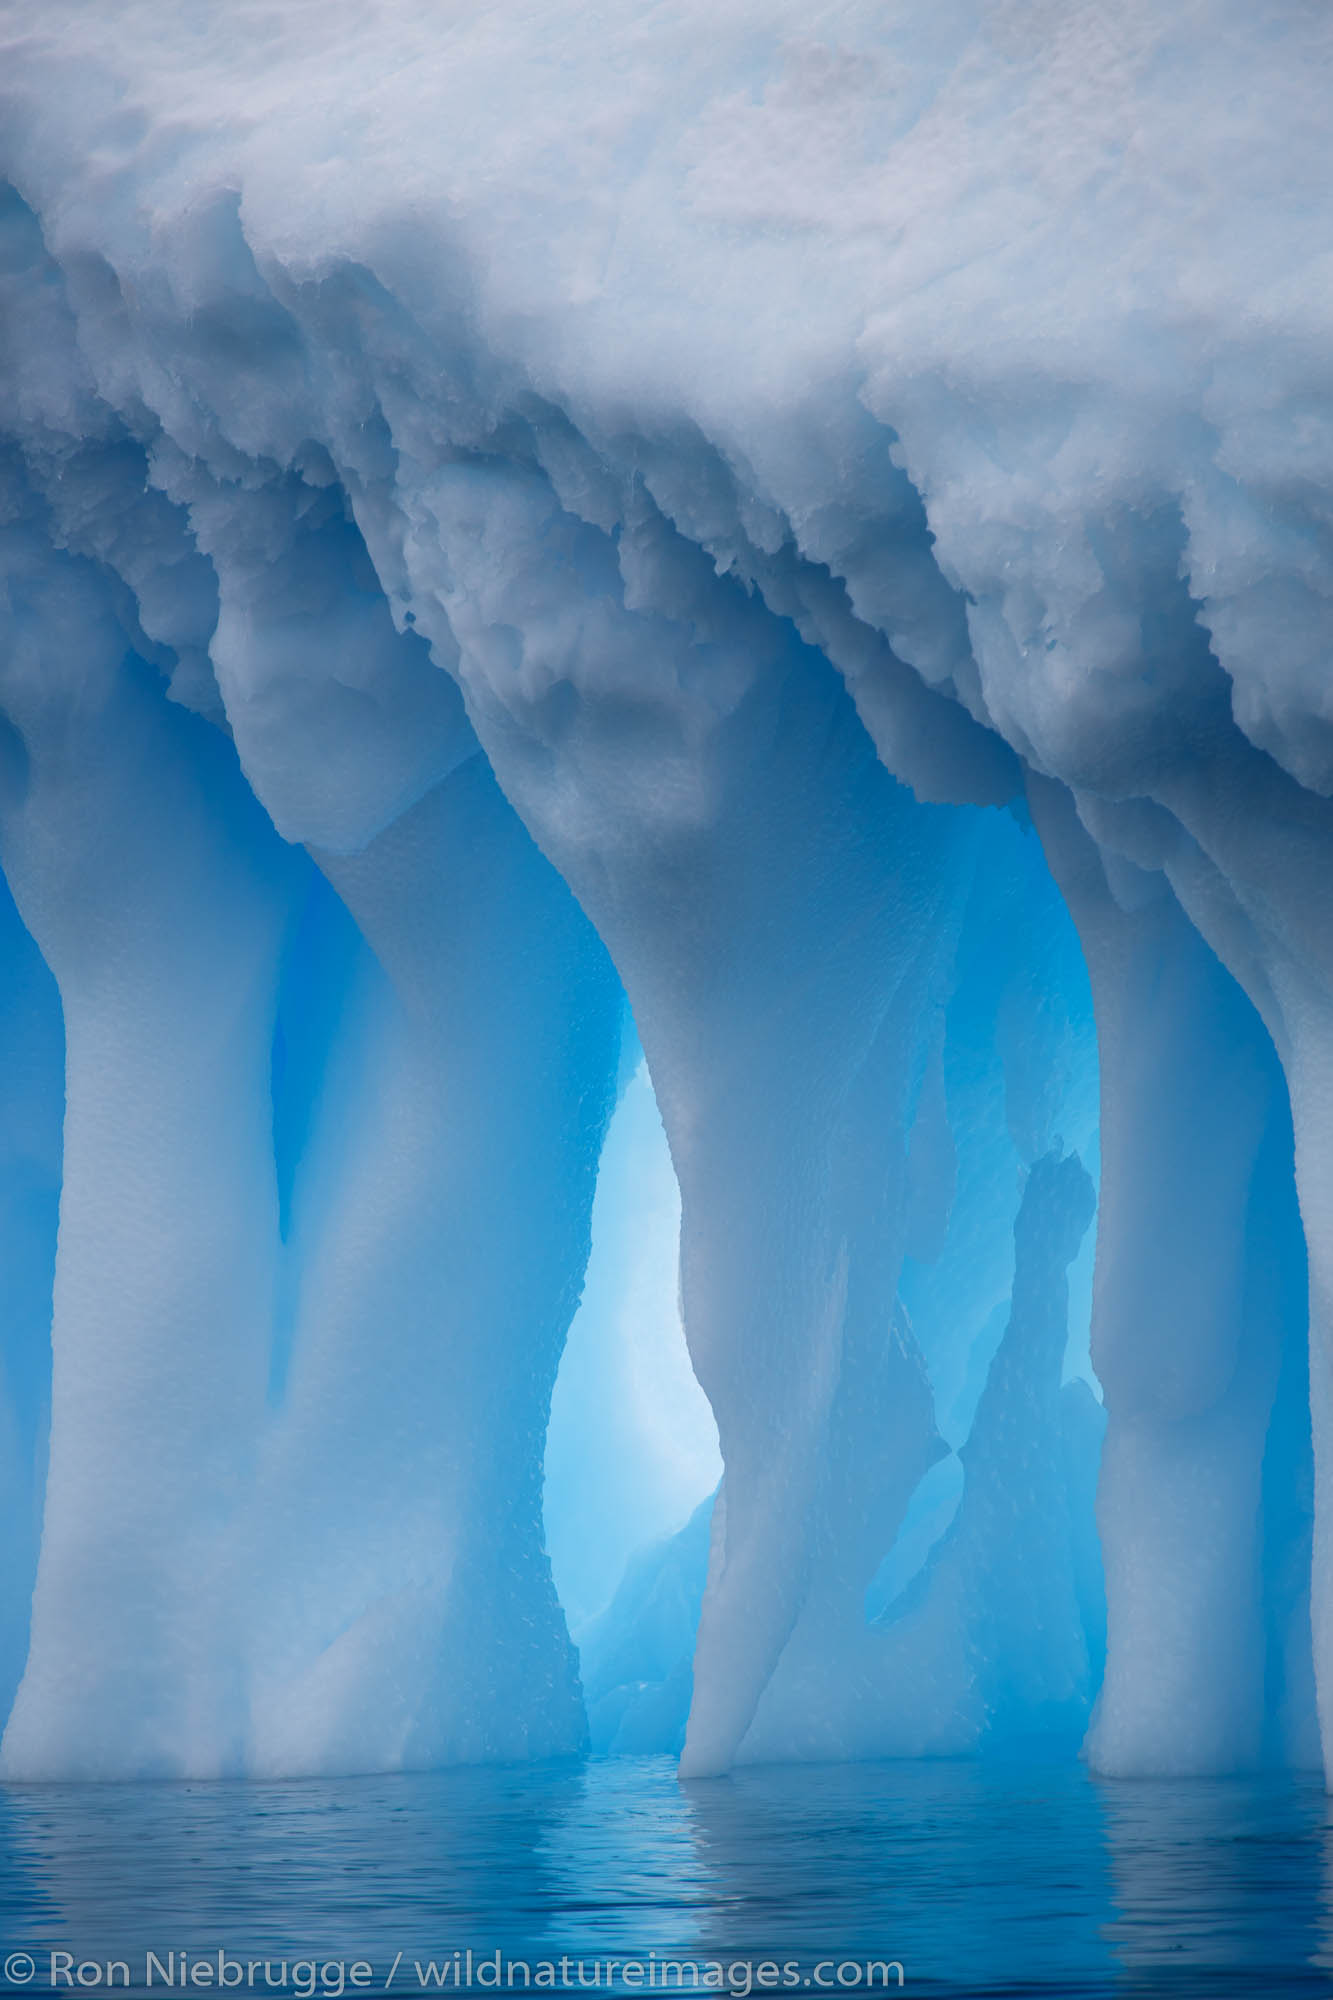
<point x="981" y="1880"/>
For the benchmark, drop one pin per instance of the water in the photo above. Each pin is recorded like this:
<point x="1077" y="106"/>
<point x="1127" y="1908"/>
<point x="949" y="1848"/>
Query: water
<point x="1000" y="1880"/>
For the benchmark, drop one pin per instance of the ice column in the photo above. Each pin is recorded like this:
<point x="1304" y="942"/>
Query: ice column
<point x="158" y="895"/>
<point x="1247" y="850"/>
<point x="439" y="1236"/>
<point x="440" y="1207"/>
<point x="774" y="903"/>
<point x="1186" y="1350"/>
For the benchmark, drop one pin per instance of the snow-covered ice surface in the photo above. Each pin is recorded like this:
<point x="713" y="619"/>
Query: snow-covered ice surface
<point x="815" y="525"/>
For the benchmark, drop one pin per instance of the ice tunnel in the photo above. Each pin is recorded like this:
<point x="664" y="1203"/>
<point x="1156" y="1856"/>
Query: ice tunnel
<point x="666" y="961"/>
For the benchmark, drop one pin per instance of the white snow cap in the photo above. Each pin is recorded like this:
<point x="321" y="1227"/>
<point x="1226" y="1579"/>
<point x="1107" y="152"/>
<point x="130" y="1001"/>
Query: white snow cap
<point x="1066" y="266"/>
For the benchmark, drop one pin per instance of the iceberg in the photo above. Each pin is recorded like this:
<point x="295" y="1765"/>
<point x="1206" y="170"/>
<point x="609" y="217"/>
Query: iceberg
<point x="566" y="569"/>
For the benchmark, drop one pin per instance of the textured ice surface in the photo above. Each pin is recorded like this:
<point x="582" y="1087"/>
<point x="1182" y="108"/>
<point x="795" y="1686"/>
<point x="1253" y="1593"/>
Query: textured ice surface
<point x="504" y="514"/>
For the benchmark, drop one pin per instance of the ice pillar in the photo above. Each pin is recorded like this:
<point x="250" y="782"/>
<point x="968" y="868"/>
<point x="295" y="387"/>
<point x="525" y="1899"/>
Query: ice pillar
<point x="439" y="1238"/>
<point x="1250" y="861"/>
<point x="774" y="903"/>
<point x="440" y="1208"/>
<point x="157" y="893"/>
<point x="1186" y="1352"/>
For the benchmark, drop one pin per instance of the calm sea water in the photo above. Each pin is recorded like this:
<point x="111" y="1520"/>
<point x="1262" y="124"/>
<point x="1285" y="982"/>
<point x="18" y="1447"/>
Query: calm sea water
<point x="1006" y="1880"/>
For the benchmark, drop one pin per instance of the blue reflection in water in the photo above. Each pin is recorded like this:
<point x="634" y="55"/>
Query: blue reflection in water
<point x="981" y="1880"/>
